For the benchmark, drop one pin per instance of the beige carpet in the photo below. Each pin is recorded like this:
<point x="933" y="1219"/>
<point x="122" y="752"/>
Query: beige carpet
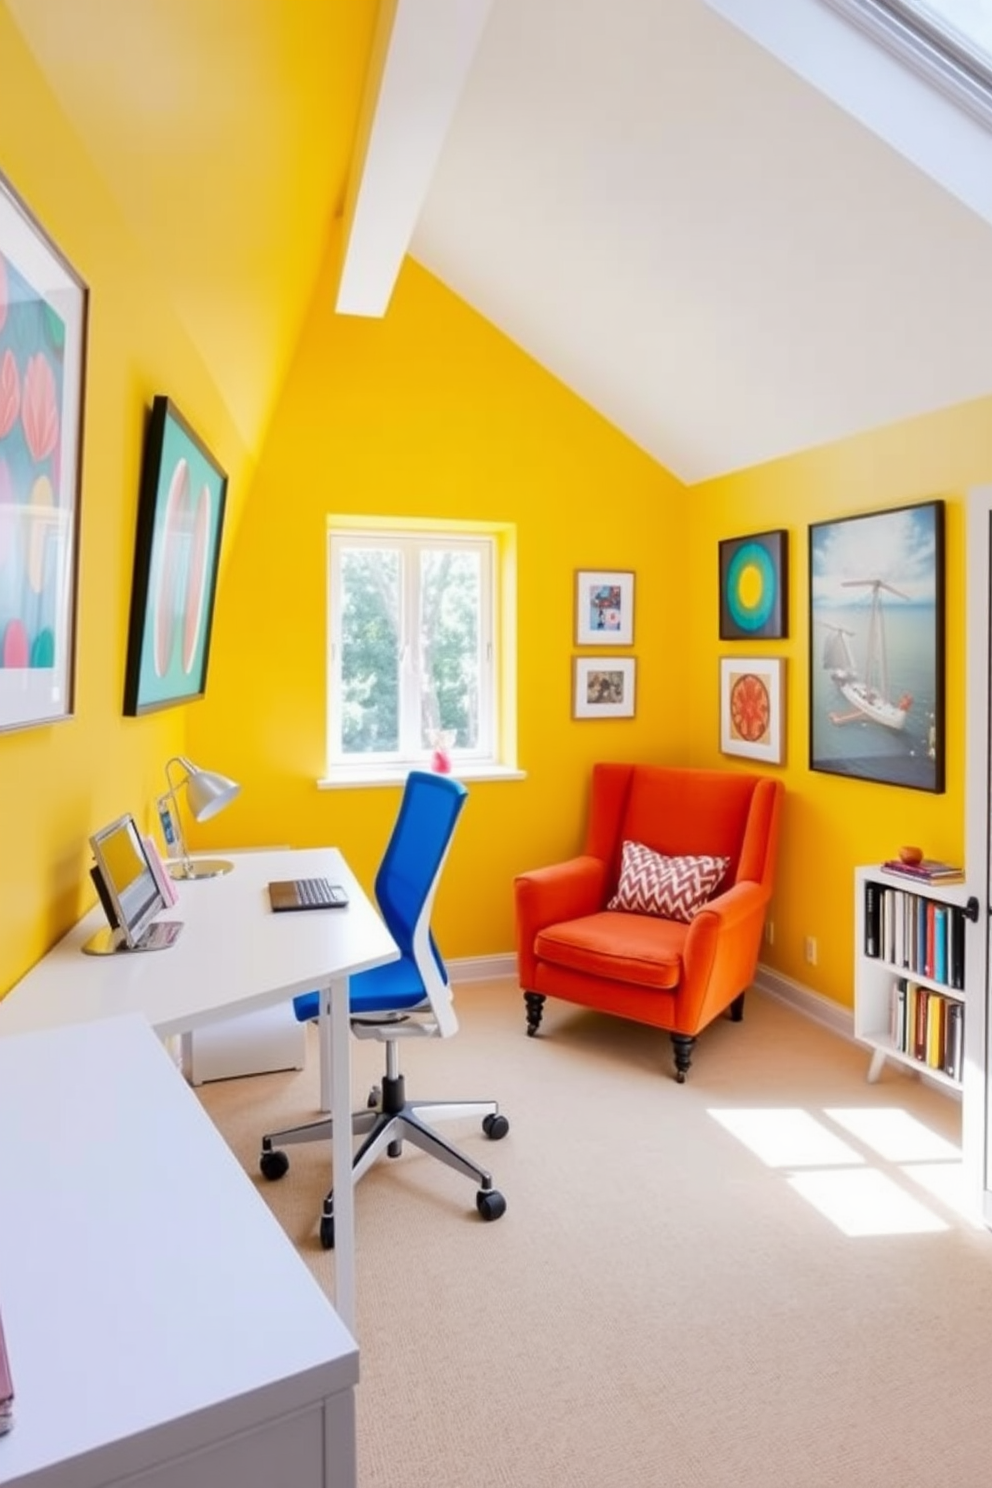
<point x="670" y="1298"/>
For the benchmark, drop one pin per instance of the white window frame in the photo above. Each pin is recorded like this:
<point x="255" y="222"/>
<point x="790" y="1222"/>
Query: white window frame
<point x="958" y="69"/>
<point x="369" y="767"/>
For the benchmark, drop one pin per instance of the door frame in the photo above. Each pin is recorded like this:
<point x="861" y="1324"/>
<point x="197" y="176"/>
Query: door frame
<point x="976" y="1129"/>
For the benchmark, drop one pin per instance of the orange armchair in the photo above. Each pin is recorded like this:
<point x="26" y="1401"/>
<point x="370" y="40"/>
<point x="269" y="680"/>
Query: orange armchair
<point x="672" y="975"/>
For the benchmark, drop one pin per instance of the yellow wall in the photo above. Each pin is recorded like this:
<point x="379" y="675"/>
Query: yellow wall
<point x="429" y="412"/>
<point x="832" y="824"/>
<point x="60" y="782"/>
<point x="432" y="413"/>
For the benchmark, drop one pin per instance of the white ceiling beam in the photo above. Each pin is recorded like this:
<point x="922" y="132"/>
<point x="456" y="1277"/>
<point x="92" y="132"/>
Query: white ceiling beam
<point x="421" y="56"/>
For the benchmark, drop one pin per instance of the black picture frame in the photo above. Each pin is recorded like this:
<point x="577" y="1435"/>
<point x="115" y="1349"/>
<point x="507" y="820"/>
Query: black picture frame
<point x="44" y="315"/>
<point x="754" y="586"/>
<point x="876" y="646"/>
<point x="177" y="554"/>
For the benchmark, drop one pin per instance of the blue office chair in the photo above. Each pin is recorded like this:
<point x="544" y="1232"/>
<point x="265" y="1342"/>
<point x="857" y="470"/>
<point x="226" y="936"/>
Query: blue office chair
<point x="408" y="998"/>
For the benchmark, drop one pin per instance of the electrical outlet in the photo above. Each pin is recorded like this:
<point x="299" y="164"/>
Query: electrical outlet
<point x="769" y="932"/>
<point x="811" y="949"/>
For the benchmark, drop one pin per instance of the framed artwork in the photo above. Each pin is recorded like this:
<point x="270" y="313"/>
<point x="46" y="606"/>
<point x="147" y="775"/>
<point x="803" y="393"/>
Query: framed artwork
<point x="603" y="689"/>
<point x="604" y="608"/>
<point x="754" y="595"/>
<point x="752" y="708"/>
<point x="876" y="646"/>
<point x="177" y="548"/>
<point x="43" y="317"/>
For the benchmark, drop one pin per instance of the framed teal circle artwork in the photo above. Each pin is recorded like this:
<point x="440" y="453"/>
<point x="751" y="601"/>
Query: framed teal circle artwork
<point x="754" y="587"/>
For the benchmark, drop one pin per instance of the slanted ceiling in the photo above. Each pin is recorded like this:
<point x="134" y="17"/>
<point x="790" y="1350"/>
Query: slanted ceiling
<point x="707" y="250"/>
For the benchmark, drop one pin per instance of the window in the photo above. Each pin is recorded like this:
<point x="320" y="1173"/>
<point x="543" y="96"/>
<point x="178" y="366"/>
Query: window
<point x="413" y="655"/>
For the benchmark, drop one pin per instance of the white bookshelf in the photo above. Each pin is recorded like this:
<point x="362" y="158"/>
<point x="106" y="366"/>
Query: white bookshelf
<point x="899" y="942"/>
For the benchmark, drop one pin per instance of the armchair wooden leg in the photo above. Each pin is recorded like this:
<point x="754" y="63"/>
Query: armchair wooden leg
<point x="535" y="1007"/>
<point x="682" y="1044"/>
<point x="737" y="1008"/>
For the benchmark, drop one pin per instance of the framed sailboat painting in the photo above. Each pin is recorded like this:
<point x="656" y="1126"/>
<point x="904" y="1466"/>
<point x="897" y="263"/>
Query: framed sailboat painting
<point x="876" y="646"/>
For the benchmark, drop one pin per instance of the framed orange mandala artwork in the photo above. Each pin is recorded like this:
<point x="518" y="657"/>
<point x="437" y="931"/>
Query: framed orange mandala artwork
<point x="752" y="707"/>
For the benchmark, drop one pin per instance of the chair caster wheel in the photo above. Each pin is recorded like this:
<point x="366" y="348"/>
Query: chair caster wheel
<point x="680" y="1077"/>
<point x="490" y="1203"/>
<point x="327" y="1231"/>
<point x="495" y="1126"/>
<point x="273" y="1164"/>
<point x="375" y="1096"/>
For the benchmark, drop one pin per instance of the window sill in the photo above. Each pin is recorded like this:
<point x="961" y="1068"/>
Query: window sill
<point x="349" y="779"/>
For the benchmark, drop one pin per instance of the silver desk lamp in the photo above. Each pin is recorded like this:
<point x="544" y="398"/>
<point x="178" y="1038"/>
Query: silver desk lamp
<point x="206" y="794"/>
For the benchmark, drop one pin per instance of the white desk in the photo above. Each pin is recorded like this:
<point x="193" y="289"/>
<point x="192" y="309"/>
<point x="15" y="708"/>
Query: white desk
<point x="233" y="955"/>
<point x="162" y="1330"/>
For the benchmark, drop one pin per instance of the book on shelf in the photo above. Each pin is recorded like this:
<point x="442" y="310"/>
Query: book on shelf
<point x="873" y="918"/>
<point x="926" y="871"/>
<point x="954" y="1040"/>
<point x="939" y="972"/>
<point x="936" y="1015"/>
<point x="955" y="952"/>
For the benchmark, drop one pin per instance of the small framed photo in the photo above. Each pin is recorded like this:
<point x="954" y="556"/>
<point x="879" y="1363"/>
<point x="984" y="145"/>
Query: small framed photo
<point x="604" y="608"/>
<point x="603" y="689"/>
<point x="752" y="707"/>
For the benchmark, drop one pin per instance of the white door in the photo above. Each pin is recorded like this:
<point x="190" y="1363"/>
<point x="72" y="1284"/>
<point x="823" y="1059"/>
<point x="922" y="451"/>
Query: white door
<point x="977" y="1109"/>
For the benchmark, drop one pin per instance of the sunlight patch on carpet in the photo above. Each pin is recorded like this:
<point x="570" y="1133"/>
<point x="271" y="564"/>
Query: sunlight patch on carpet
<point x="787" y="1137"/>
<point x="895" y="1135"/>
<point x="864" y="1202"/>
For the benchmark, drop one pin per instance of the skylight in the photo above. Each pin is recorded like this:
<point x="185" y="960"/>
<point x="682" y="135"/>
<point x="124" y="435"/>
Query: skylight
<point x="948" y="41"/>
<point x="966" y="24"/>
<point x="916" y="72"/>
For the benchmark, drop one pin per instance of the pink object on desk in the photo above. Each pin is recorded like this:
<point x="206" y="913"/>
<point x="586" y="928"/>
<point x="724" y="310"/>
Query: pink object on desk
<point x="167" y="887"/>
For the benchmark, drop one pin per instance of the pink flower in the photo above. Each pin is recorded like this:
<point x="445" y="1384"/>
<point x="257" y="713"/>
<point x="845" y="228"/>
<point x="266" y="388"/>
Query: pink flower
<point x="10" y="392"/>
<point x="39" y="415"/>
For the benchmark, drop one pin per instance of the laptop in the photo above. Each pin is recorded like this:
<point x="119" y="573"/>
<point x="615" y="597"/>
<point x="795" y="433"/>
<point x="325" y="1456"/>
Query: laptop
<point x="306" y="893"/>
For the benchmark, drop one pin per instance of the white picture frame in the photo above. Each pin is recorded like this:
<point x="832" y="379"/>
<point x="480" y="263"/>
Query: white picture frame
<point x="604" y="607"/>
<point x="603" y="687"/>
<point x="752" y="708"/>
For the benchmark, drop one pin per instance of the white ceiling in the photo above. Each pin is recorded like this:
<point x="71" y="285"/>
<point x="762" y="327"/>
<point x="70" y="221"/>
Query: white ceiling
<point x="719" y="259"/>
<point x="697" y="242"/>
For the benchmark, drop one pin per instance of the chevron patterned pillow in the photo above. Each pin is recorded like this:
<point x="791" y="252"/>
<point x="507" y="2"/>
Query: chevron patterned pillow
<point x="673" y="888"/>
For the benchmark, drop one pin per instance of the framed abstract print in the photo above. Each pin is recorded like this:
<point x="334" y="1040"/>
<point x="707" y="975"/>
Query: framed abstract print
<point x="754" y="595"/>
<point x="177" y="551"/>
<point x="43" y="316"/>
<point x="752" y="717"/>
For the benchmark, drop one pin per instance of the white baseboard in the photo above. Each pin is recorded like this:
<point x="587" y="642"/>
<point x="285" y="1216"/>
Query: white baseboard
<point x="481" y="968"/>
<point x="811" y="1004"/>
<point x="821" y="1009"/>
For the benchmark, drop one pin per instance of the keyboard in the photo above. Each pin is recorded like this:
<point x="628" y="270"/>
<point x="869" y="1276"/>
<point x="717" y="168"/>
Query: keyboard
<point x="307" y="893"/>
<point x="318" y="893"/>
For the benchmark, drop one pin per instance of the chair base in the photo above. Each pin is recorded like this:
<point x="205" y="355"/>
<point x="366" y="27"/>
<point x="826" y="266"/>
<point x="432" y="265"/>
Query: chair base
<point x="388" y="1121"/>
